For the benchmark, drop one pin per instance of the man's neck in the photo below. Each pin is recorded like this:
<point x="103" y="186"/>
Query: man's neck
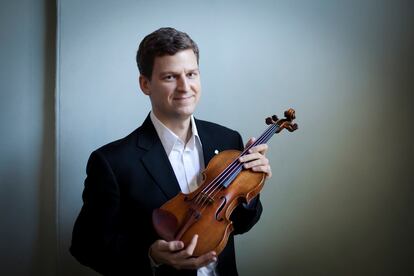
<point x="181" y="127"/>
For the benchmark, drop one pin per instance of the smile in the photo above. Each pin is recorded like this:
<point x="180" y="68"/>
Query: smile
<point x="182" y="98"/>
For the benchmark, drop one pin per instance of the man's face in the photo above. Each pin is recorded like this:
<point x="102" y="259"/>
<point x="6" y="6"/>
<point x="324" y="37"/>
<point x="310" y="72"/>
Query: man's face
<point x="174" y="88"/>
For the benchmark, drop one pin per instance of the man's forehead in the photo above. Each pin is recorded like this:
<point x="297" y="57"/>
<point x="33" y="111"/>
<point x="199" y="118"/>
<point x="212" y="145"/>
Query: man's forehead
<point x="185" y="58"/>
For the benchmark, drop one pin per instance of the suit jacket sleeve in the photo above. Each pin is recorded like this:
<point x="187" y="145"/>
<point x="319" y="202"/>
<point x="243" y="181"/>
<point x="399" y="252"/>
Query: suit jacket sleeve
<point x="98" y="240"/>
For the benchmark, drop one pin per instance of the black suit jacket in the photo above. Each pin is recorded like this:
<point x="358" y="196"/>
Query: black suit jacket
<point x="125" y="181"/>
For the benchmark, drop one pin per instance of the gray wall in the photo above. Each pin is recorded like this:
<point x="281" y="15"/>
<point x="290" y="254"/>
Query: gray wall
<point x="340" y="200"/>
<point x="27" y="149"/>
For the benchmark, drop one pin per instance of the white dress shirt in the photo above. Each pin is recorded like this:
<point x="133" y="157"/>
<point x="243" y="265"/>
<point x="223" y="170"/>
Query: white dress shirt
<point x="187" y="161"/>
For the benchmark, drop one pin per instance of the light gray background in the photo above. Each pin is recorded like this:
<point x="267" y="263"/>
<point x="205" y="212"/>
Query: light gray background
<point x="340" y="200"/>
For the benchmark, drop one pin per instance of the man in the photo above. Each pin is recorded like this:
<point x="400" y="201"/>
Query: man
<point x="129" y="178"/>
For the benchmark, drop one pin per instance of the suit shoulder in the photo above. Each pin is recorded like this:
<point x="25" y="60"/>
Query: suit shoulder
<point x="119" y="147"/>
<point x="222" y="137"/>
<point x="210" y="126"/>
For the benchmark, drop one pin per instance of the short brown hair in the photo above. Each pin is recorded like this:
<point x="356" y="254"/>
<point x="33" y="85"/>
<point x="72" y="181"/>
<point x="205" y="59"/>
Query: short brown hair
<point x="164" y="41"/>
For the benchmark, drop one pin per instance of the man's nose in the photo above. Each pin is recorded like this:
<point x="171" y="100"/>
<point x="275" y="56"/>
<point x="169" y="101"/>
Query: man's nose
<point x="183" y="84"/>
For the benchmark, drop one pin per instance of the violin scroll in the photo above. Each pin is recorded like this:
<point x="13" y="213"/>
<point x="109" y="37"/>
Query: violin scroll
<point x="285" y="123"/>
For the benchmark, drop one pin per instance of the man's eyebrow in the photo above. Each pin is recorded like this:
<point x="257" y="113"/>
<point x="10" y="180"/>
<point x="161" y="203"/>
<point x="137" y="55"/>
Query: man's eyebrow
<point x="195" y="69"/>
<point x="171" y="72"/>
<point x="167" y="72"/>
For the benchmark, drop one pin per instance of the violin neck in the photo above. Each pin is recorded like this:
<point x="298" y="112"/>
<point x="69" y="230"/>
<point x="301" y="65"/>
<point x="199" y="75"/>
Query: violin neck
<point x="231" y="172"/>
<point x="266" y="135"/>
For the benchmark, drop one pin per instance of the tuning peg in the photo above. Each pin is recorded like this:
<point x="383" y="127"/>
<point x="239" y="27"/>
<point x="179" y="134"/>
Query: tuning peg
<point x="290" y="114"/>
<point x="269" y="121"/>
<point x="285" y="123"/>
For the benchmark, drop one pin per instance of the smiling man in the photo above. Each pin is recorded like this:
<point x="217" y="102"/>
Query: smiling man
<point x="129" y="178"/>
<point x="174" y="89"/>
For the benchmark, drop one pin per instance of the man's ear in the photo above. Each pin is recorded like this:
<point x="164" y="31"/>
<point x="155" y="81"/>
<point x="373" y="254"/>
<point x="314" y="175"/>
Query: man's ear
<point x="145" y="84"/>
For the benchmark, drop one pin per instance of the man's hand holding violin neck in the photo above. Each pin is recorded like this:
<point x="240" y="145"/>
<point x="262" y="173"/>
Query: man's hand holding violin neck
<point x="256" y="159"/>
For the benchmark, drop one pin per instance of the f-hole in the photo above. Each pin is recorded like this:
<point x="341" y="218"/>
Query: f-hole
<point x="219" y="217"/>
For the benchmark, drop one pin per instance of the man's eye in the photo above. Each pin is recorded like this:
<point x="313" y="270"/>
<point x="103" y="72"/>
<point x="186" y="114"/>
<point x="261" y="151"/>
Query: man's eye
<point x="192" y="75"/>
<point x="169" y="77"/>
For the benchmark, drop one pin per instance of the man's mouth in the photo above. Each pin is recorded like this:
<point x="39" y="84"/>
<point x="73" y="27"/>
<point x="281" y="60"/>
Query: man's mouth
<point x="183" y="98"/>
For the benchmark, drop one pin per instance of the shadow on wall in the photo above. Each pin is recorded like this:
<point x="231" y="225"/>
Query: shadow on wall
<point x="46" y="242"/>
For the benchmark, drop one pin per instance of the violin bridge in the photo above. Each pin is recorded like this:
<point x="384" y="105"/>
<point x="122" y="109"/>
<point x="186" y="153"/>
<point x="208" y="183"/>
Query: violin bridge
<point x="206" y="198"/>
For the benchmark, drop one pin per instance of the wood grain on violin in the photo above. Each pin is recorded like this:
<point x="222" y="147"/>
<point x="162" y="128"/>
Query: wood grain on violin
<point x="206" y="211"/>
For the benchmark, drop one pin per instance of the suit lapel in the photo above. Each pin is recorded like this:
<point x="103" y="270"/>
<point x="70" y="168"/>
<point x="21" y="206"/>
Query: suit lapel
<point x="208" y="142"/>
<point x="156" y="160"/>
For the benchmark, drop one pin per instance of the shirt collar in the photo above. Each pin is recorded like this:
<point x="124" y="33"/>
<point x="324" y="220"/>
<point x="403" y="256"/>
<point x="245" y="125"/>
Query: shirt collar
<point x="170" y="140"/>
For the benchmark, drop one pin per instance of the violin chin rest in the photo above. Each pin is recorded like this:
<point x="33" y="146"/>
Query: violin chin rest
<point x="165" y="224"/>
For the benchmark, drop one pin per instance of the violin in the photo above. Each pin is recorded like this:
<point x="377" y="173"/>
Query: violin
<point x="206" y="211"/>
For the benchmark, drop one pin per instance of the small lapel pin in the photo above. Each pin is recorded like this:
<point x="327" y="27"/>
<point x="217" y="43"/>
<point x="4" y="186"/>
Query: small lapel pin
<point x="216" y="152"/>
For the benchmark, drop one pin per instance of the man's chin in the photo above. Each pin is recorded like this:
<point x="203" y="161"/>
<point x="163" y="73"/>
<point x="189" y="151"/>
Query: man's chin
<point x="184" y="115"/>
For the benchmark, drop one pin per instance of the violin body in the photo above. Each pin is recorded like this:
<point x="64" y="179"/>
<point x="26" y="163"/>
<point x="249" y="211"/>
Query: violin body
<point x="211" y="223"/>
<point x="207" y="210"/>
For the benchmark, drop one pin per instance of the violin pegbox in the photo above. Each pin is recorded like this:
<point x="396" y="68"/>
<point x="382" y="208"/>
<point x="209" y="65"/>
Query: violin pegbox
<point x="285" y="123"/>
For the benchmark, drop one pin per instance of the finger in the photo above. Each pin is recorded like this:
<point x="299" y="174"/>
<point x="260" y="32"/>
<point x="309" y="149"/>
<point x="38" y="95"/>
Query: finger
<point x="258" y="165"/>
<point x="206" y="259"/>
<point x="262" y="148"/>
<point x="174" y="246"/>
<point x="251" y="141"/>
<point x="188" y="251"/>
<point x="203" y="260"/>
<point x="254" y="165"/>
<point x="269" y="174"/>
<point x="251" y="156"/>
<point x="265" y="169"/>
<point x="161" y="245"/>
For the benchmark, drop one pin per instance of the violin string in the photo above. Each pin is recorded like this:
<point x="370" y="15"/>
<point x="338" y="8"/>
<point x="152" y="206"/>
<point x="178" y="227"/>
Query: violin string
<point x="214" y="186"/>
<point x="265" y="137"/>
<point x="235" y="165"/>
<point x="217" y="186"/>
